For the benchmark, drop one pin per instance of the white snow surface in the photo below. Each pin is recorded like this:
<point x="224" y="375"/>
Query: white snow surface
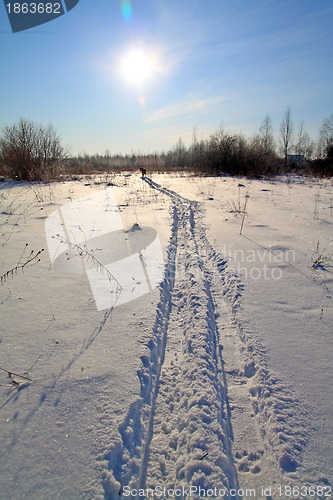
<point x="213" y="380"/>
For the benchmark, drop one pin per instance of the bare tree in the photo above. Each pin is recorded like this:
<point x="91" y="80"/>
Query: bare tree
<point x="303" y="145"/>
<point x="266" y="135"/>
<point x="286" y="134"/>
<point x="180" y="154"/>
<point x="30" y="151"/>
<point x="326" y="138"/>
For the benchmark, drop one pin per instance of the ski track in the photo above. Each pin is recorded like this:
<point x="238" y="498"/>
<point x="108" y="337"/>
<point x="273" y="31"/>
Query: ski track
<point x="179" y="433"/>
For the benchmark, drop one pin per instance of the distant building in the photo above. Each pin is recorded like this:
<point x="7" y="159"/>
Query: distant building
<point x="296" y="159"/>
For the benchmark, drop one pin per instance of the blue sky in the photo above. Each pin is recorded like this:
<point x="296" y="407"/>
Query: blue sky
<point x="212" y="63"/>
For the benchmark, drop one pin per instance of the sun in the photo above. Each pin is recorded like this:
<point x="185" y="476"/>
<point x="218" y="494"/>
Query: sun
<point x="137" y="66"/>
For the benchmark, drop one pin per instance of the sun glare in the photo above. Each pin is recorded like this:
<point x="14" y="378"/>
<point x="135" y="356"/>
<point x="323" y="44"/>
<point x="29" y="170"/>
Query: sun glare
<point x="137" y="66"/>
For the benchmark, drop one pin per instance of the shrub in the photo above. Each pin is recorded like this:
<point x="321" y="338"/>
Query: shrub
<point x="30" y="151"/>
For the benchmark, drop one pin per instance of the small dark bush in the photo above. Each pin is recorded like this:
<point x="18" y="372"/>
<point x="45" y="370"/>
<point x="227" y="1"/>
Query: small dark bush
<point x="30" y="151"/>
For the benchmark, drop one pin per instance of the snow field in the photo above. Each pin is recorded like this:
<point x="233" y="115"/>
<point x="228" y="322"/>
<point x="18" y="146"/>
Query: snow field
<point x="218" y="378"/>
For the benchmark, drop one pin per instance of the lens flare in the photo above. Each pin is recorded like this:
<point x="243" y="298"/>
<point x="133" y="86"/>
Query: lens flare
<point x="126" y="10"/>
<point x="141" y="99"/>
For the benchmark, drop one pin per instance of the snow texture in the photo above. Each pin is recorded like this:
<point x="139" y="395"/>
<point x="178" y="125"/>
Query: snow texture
<point x="210" y="370"/>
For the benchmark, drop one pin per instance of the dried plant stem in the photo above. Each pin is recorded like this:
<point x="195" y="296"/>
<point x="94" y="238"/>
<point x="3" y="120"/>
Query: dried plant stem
<point x="30" y="260"/>
<point x="33" y="364"/>
<point x="320" y="259"/>
<point x="244" y="213"/>
<point x="15" y="374"/>
<point x="89" y="256"/>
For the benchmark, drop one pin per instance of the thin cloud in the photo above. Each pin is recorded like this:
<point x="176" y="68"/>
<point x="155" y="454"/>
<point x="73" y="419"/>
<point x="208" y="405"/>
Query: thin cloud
<point x="184" y="107"/>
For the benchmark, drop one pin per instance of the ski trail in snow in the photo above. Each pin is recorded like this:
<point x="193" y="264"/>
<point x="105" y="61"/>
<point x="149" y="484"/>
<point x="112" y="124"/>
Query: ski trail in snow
<point x="190" y="442"/>
<point x="179" y="433"/>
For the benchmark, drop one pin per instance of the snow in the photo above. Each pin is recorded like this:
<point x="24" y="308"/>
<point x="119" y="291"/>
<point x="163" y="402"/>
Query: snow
<point x="175" y="356"/>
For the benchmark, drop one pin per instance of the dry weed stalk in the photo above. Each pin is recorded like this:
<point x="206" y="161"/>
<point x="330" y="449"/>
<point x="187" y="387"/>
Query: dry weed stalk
<point x="24" y="378"/>
<point x="247" y="196"/>
<point x="85" y="254"/>
<point x="32" y="259"/>
<point x="239" y="207"/>
<point x="16" y="383"/>
<point x="320" y="259"/>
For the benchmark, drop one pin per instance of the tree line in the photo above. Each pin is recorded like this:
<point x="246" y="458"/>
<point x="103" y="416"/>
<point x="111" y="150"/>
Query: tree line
<point x="33" y="152"/>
